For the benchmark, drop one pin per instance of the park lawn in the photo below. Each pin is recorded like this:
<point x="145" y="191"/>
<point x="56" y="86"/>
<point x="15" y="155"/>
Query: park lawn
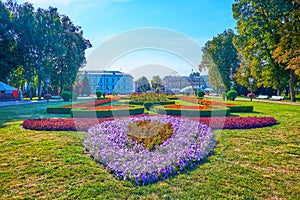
<point x="246" y="164"/>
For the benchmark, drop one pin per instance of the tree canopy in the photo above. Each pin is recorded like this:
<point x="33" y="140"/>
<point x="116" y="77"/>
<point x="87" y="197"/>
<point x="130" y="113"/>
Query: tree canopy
<point x="267" y="41"/>
<point x="45" y="44"/>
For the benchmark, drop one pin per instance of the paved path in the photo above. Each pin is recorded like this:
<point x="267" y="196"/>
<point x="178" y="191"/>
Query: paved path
<point x="18" y="102"/>
<point x="270" y="101"/>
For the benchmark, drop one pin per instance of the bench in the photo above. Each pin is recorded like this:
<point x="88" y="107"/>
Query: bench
<point x="262" y="97"/>
<point x="277" y="98"/>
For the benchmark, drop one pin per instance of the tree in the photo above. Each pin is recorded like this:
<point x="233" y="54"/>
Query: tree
<point x="156" y="83"/>
<point x="8" y="57"/>
<point x="219" y="55"/>
<point x="287" y="51"/>
<point x="24" y="27"/>
<point x="215" y="78"/>
<point x="86" y="86"/>
<point x="71" y="55"/>
<point x="142" y="84"/>
<point x="258" y="25"/>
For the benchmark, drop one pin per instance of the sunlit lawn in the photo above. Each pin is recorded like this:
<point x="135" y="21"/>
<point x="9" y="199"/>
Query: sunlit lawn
<point x="246" y="164"/>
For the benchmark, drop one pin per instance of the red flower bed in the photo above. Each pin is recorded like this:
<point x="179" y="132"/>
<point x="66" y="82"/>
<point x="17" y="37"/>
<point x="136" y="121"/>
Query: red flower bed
<point x="108" y="107"/>
<point x="237" y="122"/>
<point x="83" y="124"/>
<point x="93" y="103"/>
<point x="215" y="103"/>
<point x="181" y="107"/>
<point x="63" y="124"/>
<point x="189" y="99"/>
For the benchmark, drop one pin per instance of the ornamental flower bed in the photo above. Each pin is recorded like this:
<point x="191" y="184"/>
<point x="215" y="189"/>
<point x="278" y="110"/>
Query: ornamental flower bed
<point x="93" y="103"/>
<point x="109" y="107"/>
<point x="83" y="124"/>
<point x="108" y="144"/>
<point x="180" y="107"/>
<point x="150" y="96"/>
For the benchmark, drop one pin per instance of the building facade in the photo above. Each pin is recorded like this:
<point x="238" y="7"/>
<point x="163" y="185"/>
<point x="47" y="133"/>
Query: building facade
<point x="109" y="81"/>
<point x="176" y="83"/>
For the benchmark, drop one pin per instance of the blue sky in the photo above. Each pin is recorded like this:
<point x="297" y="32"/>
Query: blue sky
<point x="199" y="20"/>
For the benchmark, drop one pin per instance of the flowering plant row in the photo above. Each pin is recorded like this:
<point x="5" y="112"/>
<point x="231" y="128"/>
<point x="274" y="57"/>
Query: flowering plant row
<point x="116" y="107"/>
<point x="182" y="107"/>
<point x="150" y="96"/>
<point x="109" y="144"/>
<point x="83" y="124"/>
<point x="93" y="103"/>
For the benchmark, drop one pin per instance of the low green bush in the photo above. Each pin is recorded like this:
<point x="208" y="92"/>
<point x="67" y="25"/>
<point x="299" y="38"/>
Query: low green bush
<point x="58" y="110"/>
<point x="66" y="95"/>
<point x="200" y="93"/>
<point x="98" y="94"/>
<point x="231" y="95"/>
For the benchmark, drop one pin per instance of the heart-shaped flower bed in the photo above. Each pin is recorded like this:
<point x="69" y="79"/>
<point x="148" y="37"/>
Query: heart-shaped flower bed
<point x="109" y="144"/>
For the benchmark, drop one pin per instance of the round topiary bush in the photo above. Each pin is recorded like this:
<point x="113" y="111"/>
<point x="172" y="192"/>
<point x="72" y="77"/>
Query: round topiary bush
<point x="66" y="96"/>
<point x="231" y="95"/>
<point x="200" y="93"/>
<point x="98" y="94"/>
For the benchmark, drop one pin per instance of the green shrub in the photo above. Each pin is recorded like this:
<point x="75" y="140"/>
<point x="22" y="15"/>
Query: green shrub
<point x="200" y="93"/>
<point x="58" y="110"/>
<point x="187" y="93"/>
<point x="231" y="95"/>
<point x="241" y="108"/>
<point x="103" y="94"/>
<point x="66" y="95"/>
<point x="98" y="94"/>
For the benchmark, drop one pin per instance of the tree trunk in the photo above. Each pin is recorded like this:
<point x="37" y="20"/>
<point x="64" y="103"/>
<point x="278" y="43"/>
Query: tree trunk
<point x="40" y="89"/>
<point x="292" y="86"/>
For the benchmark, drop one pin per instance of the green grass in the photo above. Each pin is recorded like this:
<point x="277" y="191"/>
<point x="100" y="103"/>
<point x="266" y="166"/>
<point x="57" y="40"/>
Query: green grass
<point x="258" y="163"/>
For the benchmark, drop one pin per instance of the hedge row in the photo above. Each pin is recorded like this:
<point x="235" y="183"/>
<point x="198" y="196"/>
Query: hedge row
<point x="192" y="113"/>
<point x="58" y="110"/>
<point x="79" y="113"/>
<point x="240" y="108"/>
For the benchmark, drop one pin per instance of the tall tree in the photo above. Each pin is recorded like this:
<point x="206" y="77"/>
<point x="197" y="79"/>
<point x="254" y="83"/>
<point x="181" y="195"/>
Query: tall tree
<point x="156" y="83"/>
<point x="207" y="62"/>
<point x="72" y="53"/>
<point x="258" y="23"/>
<point x="8" y="56"/>
<point x="287" y="51"/>
<point x="142" y="84"/>
<point x="24" y="26"/>
<point x="86" y="85"/>
<point x="224" y="55"/>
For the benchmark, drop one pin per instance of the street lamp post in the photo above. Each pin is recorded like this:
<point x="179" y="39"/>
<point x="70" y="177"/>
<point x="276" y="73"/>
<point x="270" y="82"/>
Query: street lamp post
<point x="251" y="81"/>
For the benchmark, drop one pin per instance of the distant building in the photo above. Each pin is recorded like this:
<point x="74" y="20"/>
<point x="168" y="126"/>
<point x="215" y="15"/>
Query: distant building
<point x="176" y="83"/>
<point x="109" y="81"/>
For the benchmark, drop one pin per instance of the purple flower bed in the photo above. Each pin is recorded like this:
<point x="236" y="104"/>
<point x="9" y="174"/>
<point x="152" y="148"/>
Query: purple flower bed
<point x="108" y="144"/>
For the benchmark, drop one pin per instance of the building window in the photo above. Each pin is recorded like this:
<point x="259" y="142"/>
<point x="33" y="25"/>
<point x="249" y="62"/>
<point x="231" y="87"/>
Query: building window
<point x="113" y="80"/>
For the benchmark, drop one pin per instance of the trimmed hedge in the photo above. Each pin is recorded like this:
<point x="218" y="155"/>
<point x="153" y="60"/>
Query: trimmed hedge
<point x="192" y="113"/>
<point x="80" y="113"/>
<point x="58" y="110"/>
<point x="240" y="108"/>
